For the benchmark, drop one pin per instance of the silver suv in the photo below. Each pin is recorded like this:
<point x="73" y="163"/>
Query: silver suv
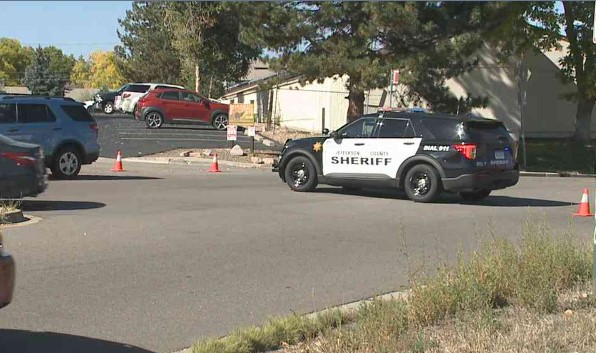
<point x="62" y="126"/>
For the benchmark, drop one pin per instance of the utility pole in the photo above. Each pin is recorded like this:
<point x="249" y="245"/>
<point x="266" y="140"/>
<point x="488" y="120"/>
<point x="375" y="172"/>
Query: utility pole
<point x="522" y="76"/>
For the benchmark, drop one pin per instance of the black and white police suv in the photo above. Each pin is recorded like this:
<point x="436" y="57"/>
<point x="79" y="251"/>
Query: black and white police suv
<point x="421" y="153"/>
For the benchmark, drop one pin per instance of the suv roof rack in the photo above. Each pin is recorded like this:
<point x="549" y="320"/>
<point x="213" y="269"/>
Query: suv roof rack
<point x="27" y="96"/>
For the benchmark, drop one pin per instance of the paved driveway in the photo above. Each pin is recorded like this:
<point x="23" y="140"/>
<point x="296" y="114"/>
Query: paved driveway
<point x="162" y="255"/>
<point x="122" y="132"/>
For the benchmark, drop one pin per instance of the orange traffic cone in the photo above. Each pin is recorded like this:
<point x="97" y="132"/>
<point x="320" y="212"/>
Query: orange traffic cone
<point x="214" y="166"/>
<point x="118" y="164"/>
<point x="584" y="206"/>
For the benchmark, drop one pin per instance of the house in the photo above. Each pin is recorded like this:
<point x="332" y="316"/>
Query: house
<point x="546" y="113"/>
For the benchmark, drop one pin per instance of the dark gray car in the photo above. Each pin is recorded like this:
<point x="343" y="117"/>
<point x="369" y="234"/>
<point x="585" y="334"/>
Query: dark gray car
<point x="22" y="169"/>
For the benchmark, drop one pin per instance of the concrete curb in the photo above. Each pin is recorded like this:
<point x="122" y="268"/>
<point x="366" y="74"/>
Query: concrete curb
<point x="191" y="161"/>
<point x="556" y="175"/>
<point x="344" y="308"/>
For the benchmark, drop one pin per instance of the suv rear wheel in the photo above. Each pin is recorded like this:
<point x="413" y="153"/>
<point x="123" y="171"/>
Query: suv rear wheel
<point x="67" y="163"/>
<point x="475" y="196"/>
<point x="422" y="183"/>
<point x="301" y="174"/>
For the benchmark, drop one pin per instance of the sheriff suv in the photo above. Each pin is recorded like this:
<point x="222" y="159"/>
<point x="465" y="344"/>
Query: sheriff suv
<point x="421" y="153"/>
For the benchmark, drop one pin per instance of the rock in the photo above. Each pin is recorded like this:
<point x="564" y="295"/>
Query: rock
<point x="268" y="143"/>
<point x="206" y="152"/>
<point x="185" y="154"/>
<point x="568" y="312"/>
<point x="256" y="160"/>
<point x="237" y="151"/>
<point x="584" y="295"/>
<point x="268" y="160"/>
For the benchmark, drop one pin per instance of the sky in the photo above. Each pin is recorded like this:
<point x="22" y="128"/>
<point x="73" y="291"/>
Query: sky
<point x="76" y="27"/>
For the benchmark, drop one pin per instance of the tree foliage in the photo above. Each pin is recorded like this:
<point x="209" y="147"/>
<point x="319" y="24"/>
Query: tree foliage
<point x="39" y="77"/>
<point x="428" y="42"/>
<point x="208" y="37"/>
<point x="105" y="72"/>
<point x="81" y="73"/>
<point x="542" y="26"/>
<point x="14" y="58"/>
<point x="147" y="43"/>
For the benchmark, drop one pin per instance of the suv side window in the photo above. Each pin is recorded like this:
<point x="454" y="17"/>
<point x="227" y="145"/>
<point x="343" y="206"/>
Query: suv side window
<point x="35" y="113"/>
<point x="361" y="128"/>
<point x="190" y="97"/>
<point x="396" y="128"/>
<point x="138" y="88"/>
<point x="8" y="113"/>
<point x="170" y="95"/>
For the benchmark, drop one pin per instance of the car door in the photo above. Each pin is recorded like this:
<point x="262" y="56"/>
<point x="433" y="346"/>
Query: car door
<point x="349" y="153"/>
<point x="8" y="120"/>
<point x="196" y="107"/>
<point x="172" y="106"/>
<point x="37" y="124"/>
<point x="396" y="141"/>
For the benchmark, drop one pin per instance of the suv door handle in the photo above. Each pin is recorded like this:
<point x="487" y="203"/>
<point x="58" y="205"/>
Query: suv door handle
<point x="359" y="144"/>
<point x="408" y="143"/>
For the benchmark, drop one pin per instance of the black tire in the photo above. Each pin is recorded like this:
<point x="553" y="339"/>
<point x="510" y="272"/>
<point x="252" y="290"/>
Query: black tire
<point x="422" y="183"/>
<point x="475" y="195"/>
<point x="108" y="107"/>
<point x="220" y="121"/>
<point x="301" y="174"/>
<point x="66" y="163"/>
<point x="154" y="120"/>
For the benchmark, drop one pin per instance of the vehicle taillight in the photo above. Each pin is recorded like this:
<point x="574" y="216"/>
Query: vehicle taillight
<point x="126" y="95"/>
<point x="95" y="128"/>
<point x="467" y="150"/>
<point x="21" y="158"/>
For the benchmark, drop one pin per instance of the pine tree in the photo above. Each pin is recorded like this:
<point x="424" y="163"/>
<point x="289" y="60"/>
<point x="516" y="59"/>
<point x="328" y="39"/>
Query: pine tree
<point x="146" y="53"/>
<point x="428" y="41"/>
<point x="39" y="77"/>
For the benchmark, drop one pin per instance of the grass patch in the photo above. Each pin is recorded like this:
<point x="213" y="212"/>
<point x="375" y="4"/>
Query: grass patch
<point x="7" y="206"/>
<point x="504" y="297"/>
<point x="560" y="156"/>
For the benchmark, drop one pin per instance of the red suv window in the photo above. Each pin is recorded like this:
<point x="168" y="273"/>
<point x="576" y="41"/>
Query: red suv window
<point x="170" y="95"/>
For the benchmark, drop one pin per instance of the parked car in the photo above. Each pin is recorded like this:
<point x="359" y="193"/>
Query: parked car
<point x="7" y="275"/>
<point x="162" y="106"/>
<point x="105" y="101"/>
<point x="420" y="153"/>
<point x="133" y="92"/>
<point x="62" y="126"/>
<point x="22" y="169"/>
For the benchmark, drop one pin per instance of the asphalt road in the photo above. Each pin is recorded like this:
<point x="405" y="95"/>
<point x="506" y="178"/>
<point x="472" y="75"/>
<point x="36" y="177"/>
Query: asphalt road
<point x="133" y="139"/>
<point x="152" y="259"/>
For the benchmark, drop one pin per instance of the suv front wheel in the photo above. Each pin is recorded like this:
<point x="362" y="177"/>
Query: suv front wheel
<point x="301" y="174"/>
<point x="67" y="163"/>
<point x="220" y="121"/>
<point x="422" y="183"/>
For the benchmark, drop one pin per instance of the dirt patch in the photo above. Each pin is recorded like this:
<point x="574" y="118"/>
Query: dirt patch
<point x="223" y="154"/>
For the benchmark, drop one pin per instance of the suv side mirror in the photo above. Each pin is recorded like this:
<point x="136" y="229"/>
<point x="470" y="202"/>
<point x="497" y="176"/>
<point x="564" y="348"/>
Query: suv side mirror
<point x="325" y="131"/>
<point x="334" y="134"/>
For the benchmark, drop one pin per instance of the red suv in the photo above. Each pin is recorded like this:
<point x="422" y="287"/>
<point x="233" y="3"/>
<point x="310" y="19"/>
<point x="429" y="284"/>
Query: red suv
<point x="180" y="106"/>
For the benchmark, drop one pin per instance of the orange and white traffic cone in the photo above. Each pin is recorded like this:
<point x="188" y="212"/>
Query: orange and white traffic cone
<point x="214" y="166"/>
<point x="118" y="164"/>
<point x="584" y="206"/>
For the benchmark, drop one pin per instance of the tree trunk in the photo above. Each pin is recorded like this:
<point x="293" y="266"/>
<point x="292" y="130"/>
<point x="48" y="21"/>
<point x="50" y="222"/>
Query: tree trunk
<point x="210" y="86"/>
<point x="583" y="120"/>
<point x="197" y="78"/>
<point x="355" y="105"/>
